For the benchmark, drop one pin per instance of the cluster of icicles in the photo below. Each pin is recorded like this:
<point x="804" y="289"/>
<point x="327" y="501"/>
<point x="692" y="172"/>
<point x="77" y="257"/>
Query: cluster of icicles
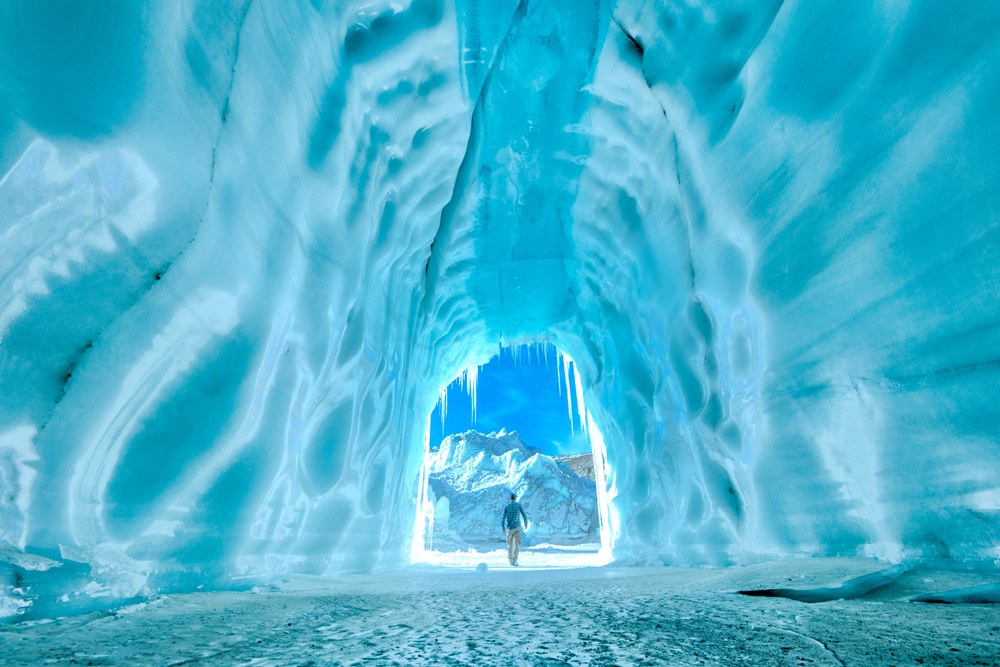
<point x="567" y="376"/>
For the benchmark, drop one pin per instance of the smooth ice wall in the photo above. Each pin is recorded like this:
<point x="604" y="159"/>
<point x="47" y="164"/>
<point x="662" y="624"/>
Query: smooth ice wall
<point x="845" y="159"/>
<point x="245" y="246"/>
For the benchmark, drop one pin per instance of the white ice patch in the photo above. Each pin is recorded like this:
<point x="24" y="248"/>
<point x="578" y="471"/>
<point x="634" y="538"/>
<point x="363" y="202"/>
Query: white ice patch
<point x="114" y="573"/>
<point x="62" y="205"/>
<point x="17" y="477"/>
<point x="606" y="490"/>
<point x="26" y="561"/>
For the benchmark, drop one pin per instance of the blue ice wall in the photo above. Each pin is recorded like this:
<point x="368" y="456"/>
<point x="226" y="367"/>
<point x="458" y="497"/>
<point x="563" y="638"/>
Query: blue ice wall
<point x="245" y="244"/>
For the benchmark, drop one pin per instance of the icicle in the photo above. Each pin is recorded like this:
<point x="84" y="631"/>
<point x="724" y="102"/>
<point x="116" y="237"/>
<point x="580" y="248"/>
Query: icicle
<point x="423" y="525"/>
<point x="443" y="402"/>
<point x="606" y="492"/>
<point x="471" y="376"/>
<point x="558" y="373"/>
<point x="565" y="362"/>
<point x="580" y="409"/>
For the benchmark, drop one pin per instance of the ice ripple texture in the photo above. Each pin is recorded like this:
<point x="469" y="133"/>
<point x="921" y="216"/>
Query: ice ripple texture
<point x="246" y="244"/>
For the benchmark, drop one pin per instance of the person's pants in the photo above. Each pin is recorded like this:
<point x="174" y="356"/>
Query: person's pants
<point x="513" y="544"/>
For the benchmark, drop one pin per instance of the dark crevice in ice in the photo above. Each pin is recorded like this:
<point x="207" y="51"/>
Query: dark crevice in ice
<point x="69" y="369"/>
<point x="850" y="589"/>
<point x="639" y="48"/>
<point x="677" y="158"/>
<point x="224" y="114"/>
<point x="985" y="594"/>
<point x="640" y="51"/>
<point x="232" y="72"/>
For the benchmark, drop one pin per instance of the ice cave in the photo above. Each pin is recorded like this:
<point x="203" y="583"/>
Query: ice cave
<point x="245" y="243"/>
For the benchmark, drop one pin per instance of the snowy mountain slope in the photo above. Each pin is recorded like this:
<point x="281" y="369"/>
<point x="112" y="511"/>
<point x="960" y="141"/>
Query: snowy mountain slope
<point x="581" y="464"/>
<point x="471" y="476"/>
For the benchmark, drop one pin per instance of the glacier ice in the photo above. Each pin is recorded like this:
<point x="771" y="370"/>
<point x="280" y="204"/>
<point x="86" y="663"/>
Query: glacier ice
<point x="245" y="245"/>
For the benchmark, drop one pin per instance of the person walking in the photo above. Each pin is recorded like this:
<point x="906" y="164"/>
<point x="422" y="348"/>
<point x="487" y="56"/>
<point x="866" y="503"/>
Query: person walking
<point x="510" y="522"/>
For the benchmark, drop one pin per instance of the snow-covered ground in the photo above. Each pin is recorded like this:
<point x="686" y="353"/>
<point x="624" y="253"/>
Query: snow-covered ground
<point x="539" y="557"/>
<point x="602" y="616"/>
<point x="246" y="244"/>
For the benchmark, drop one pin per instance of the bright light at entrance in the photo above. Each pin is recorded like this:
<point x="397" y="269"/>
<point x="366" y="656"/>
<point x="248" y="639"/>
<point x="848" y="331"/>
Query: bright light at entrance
<point x="465" y="480"/>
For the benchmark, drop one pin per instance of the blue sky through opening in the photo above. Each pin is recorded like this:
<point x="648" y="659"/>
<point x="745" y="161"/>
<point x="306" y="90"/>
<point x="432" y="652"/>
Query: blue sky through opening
<point x="518" y="390"/>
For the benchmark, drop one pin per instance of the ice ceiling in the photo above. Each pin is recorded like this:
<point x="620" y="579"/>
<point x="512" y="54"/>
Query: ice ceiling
<point x="245" y="244"/>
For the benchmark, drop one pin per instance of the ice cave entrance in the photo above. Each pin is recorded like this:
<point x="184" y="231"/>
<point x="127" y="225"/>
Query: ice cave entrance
<point x="516" y="424"/>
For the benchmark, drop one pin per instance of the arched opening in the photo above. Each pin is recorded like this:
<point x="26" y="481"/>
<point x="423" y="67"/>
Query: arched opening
<point x="518" y="424"/>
